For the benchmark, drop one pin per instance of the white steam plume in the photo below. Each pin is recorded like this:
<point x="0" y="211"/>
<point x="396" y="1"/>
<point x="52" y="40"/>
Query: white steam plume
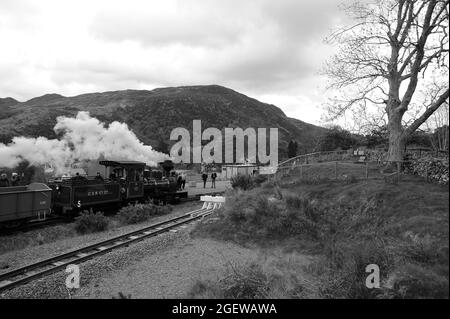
<point x="84" y="138"/>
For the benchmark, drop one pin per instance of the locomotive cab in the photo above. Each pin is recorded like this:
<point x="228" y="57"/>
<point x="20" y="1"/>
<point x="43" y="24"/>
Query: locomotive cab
<point x="130" y="176"/>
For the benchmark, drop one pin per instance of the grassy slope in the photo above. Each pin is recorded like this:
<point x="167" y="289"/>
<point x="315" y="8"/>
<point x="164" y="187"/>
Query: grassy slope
<point x="402" y="228"/>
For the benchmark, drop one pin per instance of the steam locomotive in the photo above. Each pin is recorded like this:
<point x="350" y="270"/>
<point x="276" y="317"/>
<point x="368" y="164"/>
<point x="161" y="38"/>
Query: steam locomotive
<point x="128" y="181"/>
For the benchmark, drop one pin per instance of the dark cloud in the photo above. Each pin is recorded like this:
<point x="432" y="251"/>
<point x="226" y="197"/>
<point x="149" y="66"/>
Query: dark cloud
<point x="264" y="48"/>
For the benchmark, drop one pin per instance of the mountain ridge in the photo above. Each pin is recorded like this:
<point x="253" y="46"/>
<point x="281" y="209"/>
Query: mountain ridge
<point x="153" y="114"/>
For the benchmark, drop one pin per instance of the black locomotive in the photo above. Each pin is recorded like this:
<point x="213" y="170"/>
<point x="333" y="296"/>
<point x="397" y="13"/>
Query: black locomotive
<point x="127" y="181"/>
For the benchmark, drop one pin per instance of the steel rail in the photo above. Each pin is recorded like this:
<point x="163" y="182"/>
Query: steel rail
<point x="45" y="267"/>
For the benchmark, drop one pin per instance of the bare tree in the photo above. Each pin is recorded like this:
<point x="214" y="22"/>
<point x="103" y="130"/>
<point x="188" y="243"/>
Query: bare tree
<point x="438" y="123"/>
<point x="387" y="59"/>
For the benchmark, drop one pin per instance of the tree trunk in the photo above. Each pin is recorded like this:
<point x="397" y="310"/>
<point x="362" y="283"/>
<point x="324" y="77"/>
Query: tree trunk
<point x="396" y="145"/>
<point x="396" y="137"/>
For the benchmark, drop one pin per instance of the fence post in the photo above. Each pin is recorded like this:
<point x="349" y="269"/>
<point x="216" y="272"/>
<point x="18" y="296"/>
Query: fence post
<point x="335" y="170"/>
<point x="367" y="170"/>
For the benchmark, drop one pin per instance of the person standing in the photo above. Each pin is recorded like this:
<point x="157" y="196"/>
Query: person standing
<point x="4" y="181"/>
<point x="213" y="179"/>
<point x="179" y="182"/>
<point x="205" y="178"/>
<point x="183" y="180"/>
<point x="15" y="180"/>
<point x="99" y="177"/>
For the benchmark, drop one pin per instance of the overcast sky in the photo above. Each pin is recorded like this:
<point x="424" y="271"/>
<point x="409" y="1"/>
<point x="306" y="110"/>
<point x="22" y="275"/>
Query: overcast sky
<point x="268" y="49"/>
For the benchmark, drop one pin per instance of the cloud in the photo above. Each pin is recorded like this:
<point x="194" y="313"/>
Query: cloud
<point x="84" y="138"/>
<point x="260" y="48"/>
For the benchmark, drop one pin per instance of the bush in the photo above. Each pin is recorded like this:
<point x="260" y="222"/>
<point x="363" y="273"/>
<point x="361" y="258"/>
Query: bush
<point x="133" y="214"/>
<point x="259" y="279"/>
<point x="243" y="182"/>
<point x="414" y="281"/>
<point x="259" y="216"/>
<point x="259" y="179"/>
<point x="90" y="222"/>
<point x="246" y="182"/>
<point x="121" y="295"/>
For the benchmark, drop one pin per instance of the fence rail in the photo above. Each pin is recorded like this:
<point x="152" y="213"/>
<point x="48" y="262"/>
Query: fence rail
<point x="345" y="171"/>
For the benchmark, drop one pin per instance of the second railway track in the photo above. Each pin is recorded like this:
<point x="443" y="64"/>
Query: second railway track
<point x="20" y="276"/>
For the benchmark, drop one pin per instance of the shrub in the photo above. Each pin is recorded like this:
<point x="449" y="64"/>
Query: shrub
<point x="414" y="281"/>
<point x="259" y="179"/>
<point x="276" y="277"/>
<point x="90" y="222"/>
<point x="133" y="214"/>
<point x="246" y="182"/>
<point x="243" y="182"/>
<point x="121" y="295"/>
<point x="259" y="216"/>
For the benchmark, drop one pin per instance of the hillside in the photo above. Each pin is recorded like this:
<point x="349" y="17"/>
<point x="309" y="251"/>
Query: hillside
<point x="341" y="227"/>
<point x="153" y="114"/>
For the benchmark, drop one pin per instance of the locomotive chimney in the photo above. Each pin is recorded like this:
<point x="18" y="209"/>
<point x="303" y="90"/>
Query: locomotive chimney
<point x="167" y="166"/>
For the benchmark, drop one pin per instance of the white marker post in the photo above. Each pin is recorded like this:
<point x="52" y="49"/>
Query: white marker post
<point x="212" y="202"/>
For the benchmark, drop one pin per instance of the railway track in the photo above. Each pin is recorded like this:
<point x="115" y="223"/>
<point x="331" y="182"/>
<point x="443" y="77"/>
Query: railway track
<point x="48" y="266"/>
<point x="61" y="220"/>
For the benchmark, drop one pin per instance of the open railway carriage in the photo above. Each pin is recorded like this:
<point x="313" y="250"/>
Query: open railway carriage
<point x="22" y="203"/>
<point x="128" y="181"/>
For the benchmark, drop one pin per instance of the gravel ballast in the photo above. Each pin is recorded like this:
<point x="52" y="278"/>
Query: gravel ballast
<point x="35" y="252"/>
<point x="165" y="266"/>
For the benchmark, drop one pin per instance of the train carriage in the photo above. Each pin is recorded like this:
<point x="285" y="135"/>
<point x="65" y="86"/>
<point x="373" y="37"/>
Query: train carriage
<point x="22" y="203"/>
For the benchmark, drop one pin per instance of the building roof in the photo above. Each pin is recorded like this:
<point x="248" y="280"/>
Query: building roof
<point x="123" y="163"/>
<point x="240" y="165"/>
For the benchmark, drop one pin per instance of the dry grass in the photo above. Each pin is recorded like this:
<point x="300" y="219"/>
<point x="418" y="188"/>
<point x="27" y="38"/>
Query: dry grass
<point x="274" y="276"/>
<point x="401" y="228"/>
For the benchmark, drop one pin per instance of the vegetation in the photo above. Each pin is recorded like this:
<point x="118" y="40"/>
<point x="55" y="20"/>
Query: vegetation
<point x="121" y="295"/>
<point x="23" y="240"/>
<point x="292" y="149"/>
<point x="258" y="279"/>
<point x="346" y="226"/>
<point x="337" y="138"/>
<point x="245" y="182"/>
<point x="91" y="222"/>
<point x="137" y="213"/>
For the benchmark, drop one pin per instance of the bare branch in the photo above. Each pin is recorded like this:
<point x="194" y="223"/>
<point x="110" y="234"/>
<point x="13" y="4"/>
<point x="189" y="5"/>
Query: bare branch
<point x="417" y="123"/>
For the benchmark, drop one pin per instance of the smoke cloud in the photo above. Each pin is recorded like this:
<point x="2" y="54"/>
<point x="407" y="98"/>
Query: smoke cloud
<point x="84" y="138"/>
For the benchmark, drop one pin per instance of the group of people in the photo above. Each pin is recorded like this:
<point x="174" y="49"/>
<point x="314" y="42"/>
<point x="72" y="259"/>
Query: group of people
<point x="181" y="180"/>
<point x="213" y="179"/>
<point x="5" y="182"/>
